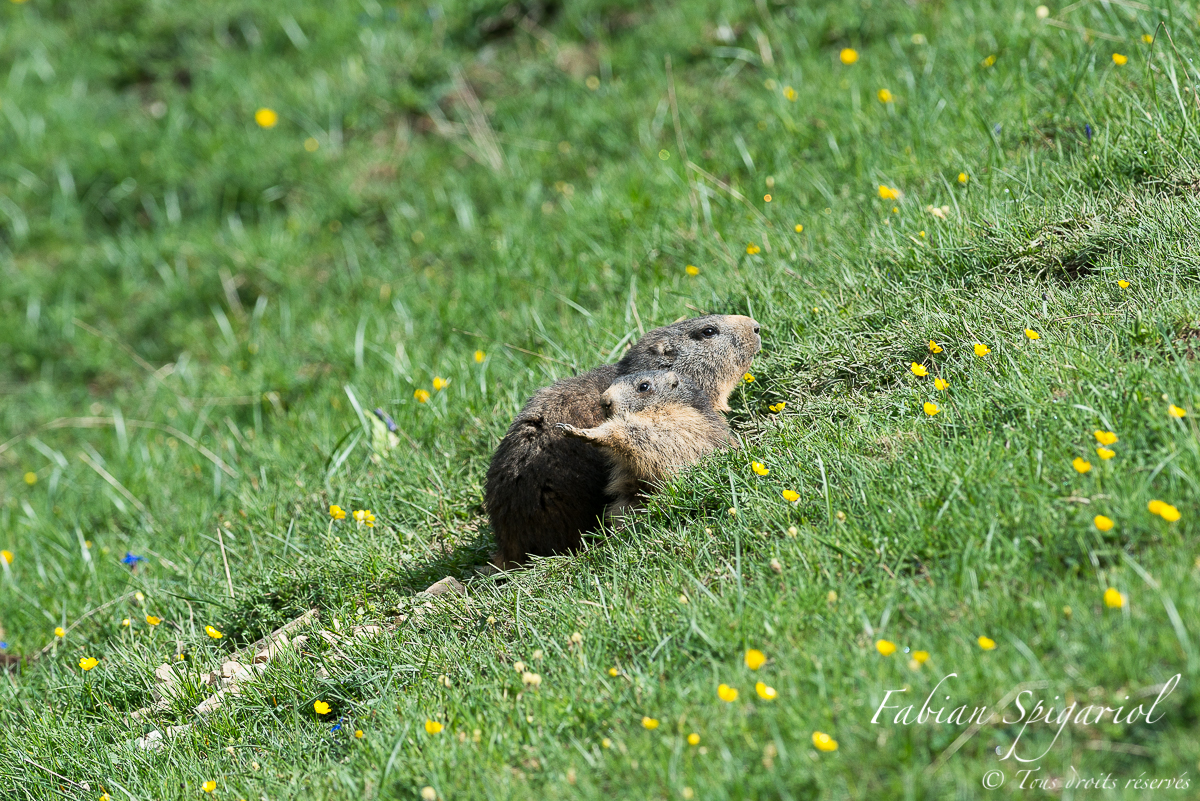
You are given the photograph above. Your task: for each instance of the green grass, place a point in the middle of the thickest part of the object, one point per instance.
(200, 313)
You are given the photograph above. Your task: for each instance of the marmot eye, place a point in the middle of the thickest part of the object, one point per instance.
(709, 331)
(644, 386)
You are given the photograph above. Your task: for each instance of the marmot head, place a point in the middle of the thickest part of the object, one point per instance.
(652, 389)
(714, 351)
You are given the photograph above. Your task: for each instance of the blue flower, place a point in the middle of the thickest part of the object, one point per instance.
(3, 645)
(130, 559)
(387, 420)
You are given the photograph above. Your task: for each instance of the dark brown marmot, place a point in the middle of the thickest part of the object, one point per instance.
(544, 490)
(659, 421)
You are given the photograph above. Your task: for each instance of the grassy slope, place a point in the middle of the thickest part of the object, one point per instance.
(140, 198)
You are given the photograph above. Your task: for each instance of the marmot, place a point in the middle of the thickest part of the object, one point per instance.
(544, 489)
(659, 421)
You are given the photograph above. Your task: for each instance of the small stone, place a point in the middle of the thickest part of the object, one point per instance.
(448, 584)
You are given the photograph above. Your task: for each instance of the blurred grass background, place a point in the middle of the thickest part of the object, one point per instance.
(200, 312)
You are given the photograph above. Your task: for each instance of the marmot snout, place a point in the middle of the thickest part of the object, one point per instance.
(659, 421)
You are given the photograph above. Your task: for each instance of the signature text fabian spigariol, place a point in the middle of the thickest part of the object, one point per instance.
(1030, 711)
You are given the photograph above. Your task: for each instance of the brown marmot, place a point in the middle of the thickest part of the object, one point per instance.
(659, 421)
(544, 490)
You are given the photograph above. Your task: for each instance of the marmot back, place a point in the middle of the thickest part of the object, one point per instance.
(544, 490)
(659, 421)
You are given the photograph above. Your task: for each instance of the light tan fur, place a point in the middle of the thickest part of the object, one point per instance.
(659, 423)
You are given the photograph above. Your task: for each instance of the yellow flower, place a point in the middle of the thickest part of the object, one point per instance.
(884, 96)
(935, 347)
(726, 693)
(777, 407)
(649, 723)
(606, 743)
(986, 643)
(1147, 38)
(848, 55)
(7, 556)
(752, 248)
(1029, 332)
(941, 383)
(337, 512)
(887, 193)
(764, 692)
(30, 478)
(432, 726)
(885, 647)
(692, 270)
(1123, 283)
(989, 61)
(931, 408)
(755, 659)
(823, 741)
(798, 228)
(422, 395)
(760, 468)
(748, 378)
(1103, 523)
(919, 370)
(479, 357)
(321, 707)
(791, 496)
(612, 671)
(266, 118)
(1119, 59)
(311, 144)
(358, 733)
(1081, 465)
(1104, 437)
(440, 383)
(920, 657)
(152, 620)
(1105, 453)
(693, 739)
(1175, 411)
(209, 786)
(982, 350)
(1113, 599)
(88, 663)
(530, 679)
(59, 632)
(789, 93)
(1041, 12)
(1164, 510)
(126, 622)
(767, 198)
(212, 632)
(360, 515)
(963, 177)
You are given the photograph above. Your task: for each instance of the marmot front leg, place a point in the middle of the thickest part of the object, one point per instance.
(588, 434)
(605, 435)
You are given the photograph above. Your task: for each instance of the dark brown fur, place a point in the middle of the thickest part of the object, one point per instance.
(658, 422)
(545, 490)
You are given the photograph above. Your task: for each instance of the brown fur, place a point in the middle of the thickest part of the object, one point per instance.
(659, 422)
(544, 490)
